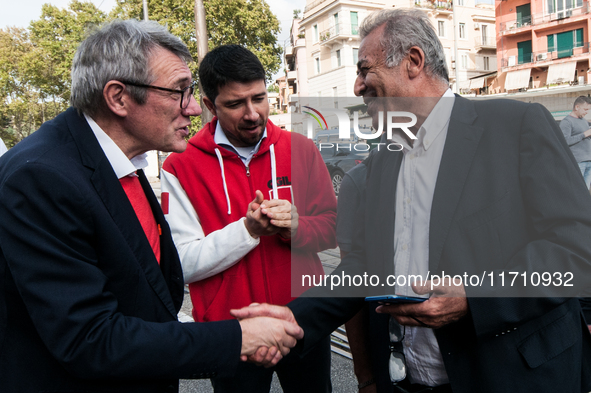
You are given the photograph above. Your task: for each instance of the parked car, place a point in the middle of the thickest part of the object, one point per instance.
(339, 158)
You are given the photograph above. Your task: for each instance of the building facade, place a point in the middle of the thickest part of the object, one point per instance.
(323, 52)
(542, 44)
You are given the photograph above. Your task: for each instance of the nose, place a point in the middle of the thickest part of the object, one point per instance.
(250, 112)
(193, 109)
(359, 86)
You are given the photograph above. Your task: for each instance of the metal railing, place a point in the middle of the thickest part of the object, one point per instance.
(545, 56)
(445, 5)
(540, 18)
(341, 29)
(486, 41)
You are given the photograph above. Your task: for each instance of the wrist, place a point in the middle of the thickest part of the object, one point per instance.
(250, 232)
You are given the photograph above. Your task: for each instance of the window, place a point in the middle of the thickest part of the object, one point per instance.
(317, 65)
(561, 5)
(462, 29)
(354, 23)
(460, 2)
(486, 40)
(441, 28)
(336, 24)
(523, 15)
(338, 53)
(563, 43)
(355, 56)
(315, 33)
(524, 54)
(486, 63)
(335, 97)
(464, 64)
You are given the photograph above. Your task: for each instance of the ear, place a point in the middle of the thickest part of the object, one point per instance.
(416, 62)
(116, 98)
(210, 105)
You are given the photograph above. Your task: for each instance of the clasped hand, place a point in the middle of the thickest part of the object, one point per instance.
(268, 333)
(270, 217)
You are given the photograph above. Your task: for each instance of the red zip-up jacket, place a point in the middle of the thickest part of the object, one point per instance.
(219, 187)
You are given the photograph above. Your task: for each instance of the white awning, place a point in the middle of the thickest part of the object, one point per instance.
(477, 83)
(464, 84)
(563, 72)
(517, 79)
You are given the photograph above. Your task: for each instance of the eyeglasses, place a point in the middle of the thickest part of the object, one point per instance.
(397, 363)
(185, 93)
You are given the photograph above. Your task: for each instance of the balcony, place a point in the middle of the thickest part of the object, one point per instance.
(433, 4)
(292, 75)
(483, 43)
(339, 32)
(539, 58)
(518, 25)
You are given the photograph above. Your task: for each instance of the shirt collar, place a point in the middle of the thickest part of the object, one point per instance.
(220, 138)
(122, 166)
(433, 124)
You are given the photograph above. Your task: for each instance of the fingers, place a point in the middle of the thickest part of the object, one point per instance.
(436, 312)
(264, 310)
(295, 331)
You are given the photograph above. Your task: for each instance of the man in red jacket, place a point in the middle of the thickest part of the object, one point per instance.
(249, 205)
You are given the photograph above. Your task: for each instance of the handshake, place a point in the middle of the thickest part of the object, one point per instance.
(268, 333)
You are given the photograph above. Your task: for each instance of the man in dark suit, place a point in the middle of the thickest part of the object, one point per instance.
(480, 187)
(90, 281)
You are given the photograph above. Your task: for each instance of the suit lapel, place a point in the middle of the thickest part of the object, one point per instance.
(382, 204)
(459, 151)
(111, 192)
(170, 265)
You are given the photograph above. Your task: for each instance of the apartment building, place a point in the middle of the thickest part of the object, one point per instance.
(542, 43)
(322, 56)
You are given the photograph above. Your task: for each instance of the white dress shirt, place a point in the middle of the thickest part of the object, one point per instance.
(414, 197)
(122, 165)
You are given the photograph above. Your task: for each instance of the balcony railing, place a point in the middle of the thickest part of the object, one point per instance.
(444, 5)
(341, 29)
(485, 42)
(541, 57)
(538, 19)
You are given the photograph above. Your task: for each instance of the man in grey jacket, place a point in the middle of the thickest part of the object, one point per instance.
(578, 135)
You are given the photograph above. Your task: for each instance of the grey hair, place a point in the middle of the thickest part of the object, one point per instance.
(118, 50)
(405, 28)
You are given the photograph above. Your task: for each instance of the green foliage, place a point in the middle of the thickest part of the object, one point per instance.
(35, 66)
(273, 88)
(35, 63)
(245, 22)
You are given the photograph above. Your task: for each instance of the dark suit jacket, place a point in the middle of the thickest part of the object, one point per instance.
(84, 305)
(508, 196)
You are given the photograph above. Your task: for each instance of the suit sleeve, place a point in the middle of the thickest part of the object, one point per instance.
(202, 256)
(558, 208)
(48, 237)
(317, 218)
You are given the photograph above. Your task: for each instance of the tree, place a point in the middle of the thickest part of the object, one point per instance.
(245, 22)
(35, 67)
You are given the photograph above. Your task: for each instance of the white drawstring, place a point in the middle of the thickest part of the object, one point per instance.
(274, 172)
(217, 152)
